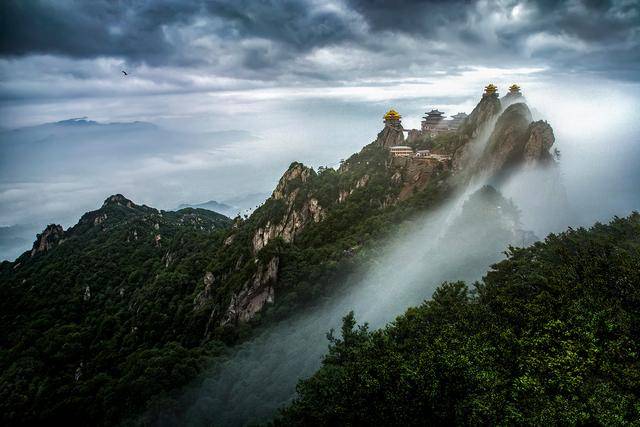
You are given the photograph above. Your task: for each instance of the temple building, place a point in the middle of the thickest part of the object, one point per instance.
(432, 120)
(392, 118)
(490, 90)
(456, 120)
(514, 89)
(401, 151)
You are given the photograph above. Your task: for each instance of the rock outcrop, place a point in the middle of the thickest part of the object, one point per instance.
(515, 141)
(481, 117)
(414, 174)
(474, 130)
(390, 136)
(51, 236)
(298, 210)
(254, 295)
(118, 199)
(540, 138)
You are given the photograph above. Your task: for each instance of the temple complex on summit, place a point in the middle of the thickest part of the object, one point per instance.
(490, 90)
(392, 118)
(433, 124)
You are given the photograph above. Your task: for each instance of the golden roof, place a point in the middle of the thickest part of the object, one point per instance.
(514, 88)
(392, 115)
(490, 89)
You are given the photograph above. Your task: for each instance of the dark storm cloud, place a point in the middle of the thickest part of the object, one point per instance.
(291, 22)
(90, 29)
(141, 31)
(267, 39)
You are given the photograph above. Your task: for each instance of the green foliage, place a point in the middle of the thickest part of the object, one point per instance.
(102, 323)
(550, 336)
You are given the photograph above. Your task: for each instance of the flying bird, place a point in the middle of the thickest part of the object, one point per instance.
(124, 72)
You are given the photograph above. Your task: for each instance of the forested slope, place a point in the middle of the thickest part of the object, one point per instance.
(549, 336)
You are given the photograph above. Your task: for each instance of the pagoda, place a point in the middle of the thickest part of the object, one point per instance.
(433, 120)
(514, 89)
(392, 118)
(490, 90)
(456, 120)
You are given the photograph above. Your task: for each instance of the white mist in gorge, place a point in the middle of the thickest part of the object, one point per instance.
(260, 375)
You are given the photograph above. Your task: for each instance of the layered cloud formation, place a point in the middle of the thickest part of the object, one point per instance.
(174, 45)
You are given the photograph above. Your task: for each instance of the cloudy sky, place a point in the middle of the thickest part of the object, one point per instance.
(59, 57)
(304, 80)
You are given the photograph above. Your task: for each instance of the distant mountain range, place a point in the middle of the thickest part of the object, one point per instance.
(212, 205)
(231, 207)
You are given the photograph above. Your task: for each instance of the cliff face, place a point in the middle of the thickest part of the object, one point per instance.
(540, 138)
(254, 295)
(482, 116)
(474, 129)
(48, 239)
(414, 175)
(390, 136)
(515, 141)
(298, 210)
(512, 98)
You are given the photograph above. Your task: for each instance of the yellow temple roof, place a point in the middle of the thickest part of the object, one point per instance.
(490, 89)
(514, 88)
(392, 115)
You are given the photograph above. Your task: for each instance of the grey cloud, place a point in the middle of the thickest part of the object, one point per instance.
(271, 40)
(90, 29)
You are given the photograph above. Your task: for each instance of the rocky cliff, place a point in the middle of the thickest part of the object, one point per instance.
(390, 136)
(311, 209)
(516, 140)
(489, 142)
(473, 132)
(296, 209)
(48, 239)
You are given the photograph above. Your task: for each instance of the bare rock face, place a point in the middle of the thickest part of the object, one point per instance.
(390, 136)
(48, 239)
(118, 199)
(256, 293)
(482, 116)
(474, 128)
(512, 98)
(297, 214)
(414, 174)
(293, 223)
(516, 141)
(539, 141)
(294, 176)
(201, 299)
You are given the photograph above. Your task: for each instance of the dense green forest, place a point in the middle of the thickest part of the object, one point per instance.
(549, 336)
(97, 325)
(110, 319)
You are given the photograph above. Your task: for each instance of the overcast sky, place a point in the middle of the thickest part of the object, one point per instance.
(241, 52)
(308, 80)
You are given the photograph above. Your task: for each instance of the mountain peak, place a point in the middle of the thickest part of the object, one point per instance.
(50, 236)
(118, 199)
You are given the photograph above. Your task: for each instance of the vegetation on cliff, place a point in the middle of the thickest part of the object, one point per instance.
(100, 319)
(549, 336)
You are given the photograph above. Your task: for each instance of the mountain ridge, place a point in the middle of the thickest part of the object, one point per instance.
(216, 278)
